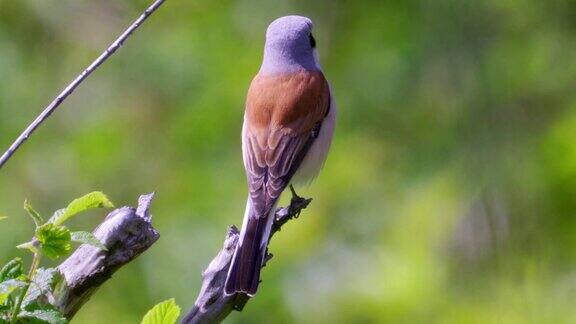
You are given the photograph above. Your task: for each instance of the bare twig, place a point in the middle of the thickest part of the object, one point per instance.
(212, 305)
(76, 82)
(126, 232)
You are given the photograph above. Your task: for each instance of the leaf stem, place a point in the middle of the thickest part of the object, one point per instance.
(31, 273)
(34, 265)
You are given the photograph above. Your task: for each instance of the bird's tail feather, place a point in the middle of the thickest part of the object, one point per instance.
(244, 273)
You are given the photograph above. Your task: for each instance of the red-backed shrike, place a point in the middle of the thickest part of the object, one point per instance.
(288, 127)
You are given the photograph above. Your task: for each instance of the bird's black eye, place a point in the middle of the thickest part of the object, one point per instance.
(312, 41)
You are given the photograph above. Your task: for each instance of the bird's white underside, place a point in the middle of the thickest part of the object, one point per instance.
(316, 156)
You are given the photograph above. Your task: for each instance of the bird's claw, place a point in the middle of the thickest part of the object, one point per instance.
(297, 214)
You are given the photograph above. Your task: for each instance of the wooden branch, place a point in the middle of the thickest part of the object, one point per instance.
(212, 305)
(76, 82)
(126, 232)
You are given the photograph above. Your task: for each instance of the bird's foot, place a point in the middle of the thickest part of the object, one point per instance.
(297, 201)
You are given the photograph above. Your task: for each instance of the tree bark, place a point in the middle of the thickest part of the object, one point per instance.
(126, 232)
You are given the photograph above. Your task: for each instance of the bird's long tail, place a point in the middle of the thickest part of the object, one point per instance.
(244, 273)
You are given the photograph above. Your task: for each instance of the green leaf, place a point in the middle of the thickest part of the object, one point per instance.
(5, 292)
(38, 220)
(44, 282)
(4, 312)
(38, 316)
(3, 217)
(11, 270)
(94, 199)
(8, 287)
(87, 238)
(55, 240)
(166, 312)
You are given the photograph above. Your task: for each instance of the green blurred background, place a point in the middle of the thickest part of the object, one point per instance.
(449, 195)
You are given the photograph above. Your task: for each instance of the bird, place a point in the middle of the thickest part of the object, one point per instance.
(288, 126)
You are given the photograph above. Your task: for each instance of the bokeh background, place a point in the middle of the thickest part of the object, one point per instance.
(449, 195)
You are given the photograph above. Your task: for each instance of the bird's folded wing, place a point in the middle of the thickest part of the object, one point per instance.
(283, 115)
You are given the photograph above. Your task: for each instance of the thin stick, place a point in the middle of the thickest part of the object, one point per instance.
(72, 86)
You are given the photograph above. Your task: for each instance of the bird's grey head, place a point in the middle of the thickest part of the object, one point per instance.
(289, 46)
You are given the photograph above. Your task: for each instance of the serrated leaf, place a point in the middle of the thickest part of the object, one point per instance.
(11, 270)
(95, 199)
(8, 287)
(44, 282)
(38, 316)
(87, 238)
(38, 220)
(55, 240)
(4, 312)
(166, 312)
(4, 293)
